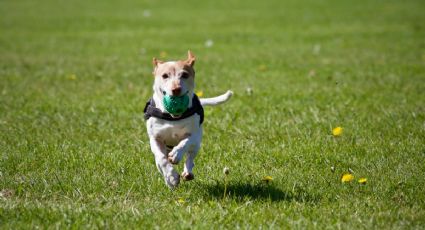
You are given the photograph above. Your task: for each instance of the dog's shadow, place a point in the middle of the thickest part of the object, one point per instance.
(240, 191)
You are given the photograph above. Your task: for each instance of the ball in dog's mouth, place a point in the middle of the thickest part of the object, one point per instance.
(176, 105)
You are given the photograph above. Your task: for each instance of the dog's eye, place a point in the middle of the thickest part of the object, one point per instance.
(185, 75)
(164, 76)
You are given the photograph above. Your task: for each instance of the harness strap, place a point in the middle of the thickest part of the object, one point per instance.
(151, 111)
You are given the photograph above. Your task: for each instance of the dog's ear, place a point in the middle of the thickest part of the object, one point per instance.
(190, 58)
(155, 62)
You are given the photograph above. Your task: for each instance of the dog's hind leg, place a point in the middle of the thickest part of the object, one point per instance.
(171, 177)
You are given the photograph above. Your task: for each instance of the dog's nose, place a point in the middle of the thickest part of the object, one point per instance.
(176, 91)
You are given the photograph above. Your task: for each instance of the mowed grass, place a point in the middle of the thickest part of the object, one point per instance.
(74, 78)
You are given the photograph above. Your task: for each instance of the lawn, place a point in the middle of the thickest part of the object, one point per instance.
(74, 78)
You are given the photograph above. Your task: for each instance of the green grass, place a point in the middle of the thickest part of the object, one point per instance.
(74, 78)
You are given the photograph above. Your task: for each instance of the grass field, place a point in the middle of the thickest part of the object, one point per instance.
(74, 78)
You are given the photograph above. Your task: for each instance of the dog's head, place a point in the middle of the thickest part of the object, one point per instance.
(174, 78)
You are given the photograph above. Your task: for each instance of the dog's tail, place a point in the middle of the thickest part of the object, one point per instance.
(217, 100)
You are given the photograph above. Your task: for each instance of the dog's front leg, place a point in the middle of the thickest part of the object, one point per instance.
(188, 165)
(172, 178)
(176, 154)
(190, 145)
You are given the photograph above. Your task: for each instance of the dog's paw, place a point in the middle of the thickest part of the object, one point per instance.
(172, 179)
(187, 176)
(174, 157)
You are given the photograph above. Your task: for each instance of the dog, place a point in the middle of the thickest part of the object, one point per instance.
(173, 135)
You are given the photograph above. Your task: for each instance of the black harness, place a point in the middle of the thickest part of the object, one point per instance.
(151, 111)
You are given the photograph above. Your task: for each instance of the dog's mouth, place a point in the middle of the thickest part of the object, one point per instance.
(175, 105)
(164, 93)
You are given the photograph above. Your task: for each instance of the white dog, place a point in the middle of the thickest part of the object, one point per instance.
(170, 134)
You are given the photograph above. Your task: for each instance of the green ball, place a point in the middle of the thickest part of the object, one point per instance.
(176, 105)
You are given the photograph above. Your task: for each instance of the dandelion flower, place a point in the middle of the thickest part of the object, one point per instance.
(337, 131)
(209, 43)
(312, 73)
(72, 77)
(146, 13)
(181, 200)
(226, 171)
(267, 179)
(316, 49)
(347, 177)
(362, 180)
(249, 90)
(200, 93)
(262, 67)
(163, 54)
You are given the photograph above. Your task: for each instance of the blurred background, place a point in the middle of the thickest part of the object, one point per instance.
(326, 54)
(119, 39)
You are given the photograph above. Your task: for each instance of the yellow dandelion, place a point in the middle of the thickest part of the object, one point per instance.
(72, 77)
(337, 131)
(200, 93)
(312, 73)
(362, 180)
(181, 200)
(163, 54)
(267, 179)
(262, 67)
(347, 177)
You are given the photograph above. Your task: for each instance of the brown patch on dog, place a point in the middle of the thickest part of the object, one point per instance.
(190, 70)
(155, 61)
(172, 68)
(190, 58)
(175, 85)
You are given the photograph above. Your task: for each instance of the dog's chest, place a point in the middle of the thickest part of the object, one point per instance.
(172, 132)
